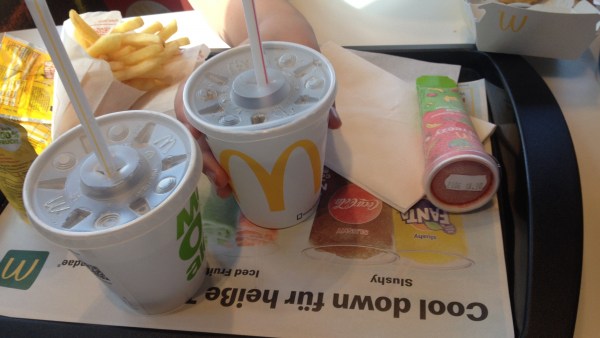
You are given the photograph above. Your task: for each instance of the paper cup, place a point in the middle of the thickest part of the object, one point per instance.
(140, 235)
(270, 140)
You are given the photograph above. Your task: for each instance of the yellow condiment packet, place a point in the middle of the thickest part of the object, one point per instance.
(26, 89)
(16, 155)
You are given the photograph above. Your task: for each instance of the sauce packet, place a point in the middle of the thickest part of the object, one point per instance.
(16, 155)
(26, 89)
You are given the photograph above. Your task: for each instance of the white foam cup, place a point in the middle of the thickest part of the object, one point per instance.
(140, 232)
(270, 139)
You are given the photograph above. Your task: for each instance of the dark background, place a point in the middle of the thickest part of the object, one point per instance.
(15, 16)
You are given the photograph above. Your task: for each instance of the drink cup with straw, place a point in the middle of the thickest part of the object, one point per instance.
(263, 109)
(120, 193)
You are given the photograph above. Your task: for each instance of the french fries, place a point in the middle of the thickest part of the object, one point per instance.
(136, 54)
(105, 44)
(168, 30)
(84, 34)
(129, 25)
(153, 28)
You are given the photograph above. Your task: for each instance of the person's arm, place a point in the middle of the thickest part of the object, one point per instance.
(278, 20)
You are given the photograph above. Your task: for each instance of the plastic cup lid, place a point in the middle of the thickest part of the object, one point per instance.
(68, 196)
(222, 95)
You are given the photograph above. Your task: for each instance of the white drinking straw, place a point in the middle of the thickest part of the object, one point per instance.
(258, 58)
(45, 24)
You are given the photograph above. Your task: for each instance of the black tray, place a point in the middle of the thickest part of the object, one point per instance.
(540, 194)
(540, 201)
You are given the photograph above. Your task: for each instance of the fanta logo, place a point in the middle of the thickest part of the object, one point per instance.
(272, 183)
(189, 230)
(19, 269)
(352, 205)
(424, 216)
(512, 23)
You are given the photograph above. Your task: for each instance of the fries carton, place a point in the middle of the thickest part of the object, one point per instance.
(118, 72)
(550, 29)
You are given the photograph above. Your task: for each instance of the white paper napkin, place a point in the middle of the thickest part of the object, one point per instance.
(379, 145)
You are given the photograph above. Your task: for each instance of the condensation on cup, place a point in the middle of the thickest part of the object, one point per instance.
(141, 233)
(269, 138)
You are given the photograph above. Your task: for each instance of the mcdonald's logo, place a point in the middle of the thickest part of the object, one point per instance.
(19, 269)
(512, 25)
(272, 183)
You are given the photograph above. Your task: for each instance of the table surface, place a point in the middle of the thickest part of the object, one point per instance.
(574, 83)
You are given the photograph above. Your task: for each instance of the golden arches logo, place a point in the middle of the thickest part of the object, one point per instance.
(19, 268)
(16, 272)
(272, 183)
(511, 23)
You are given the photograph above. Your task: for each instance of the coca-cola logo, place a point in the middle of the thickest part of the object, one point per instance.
(352, 205)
